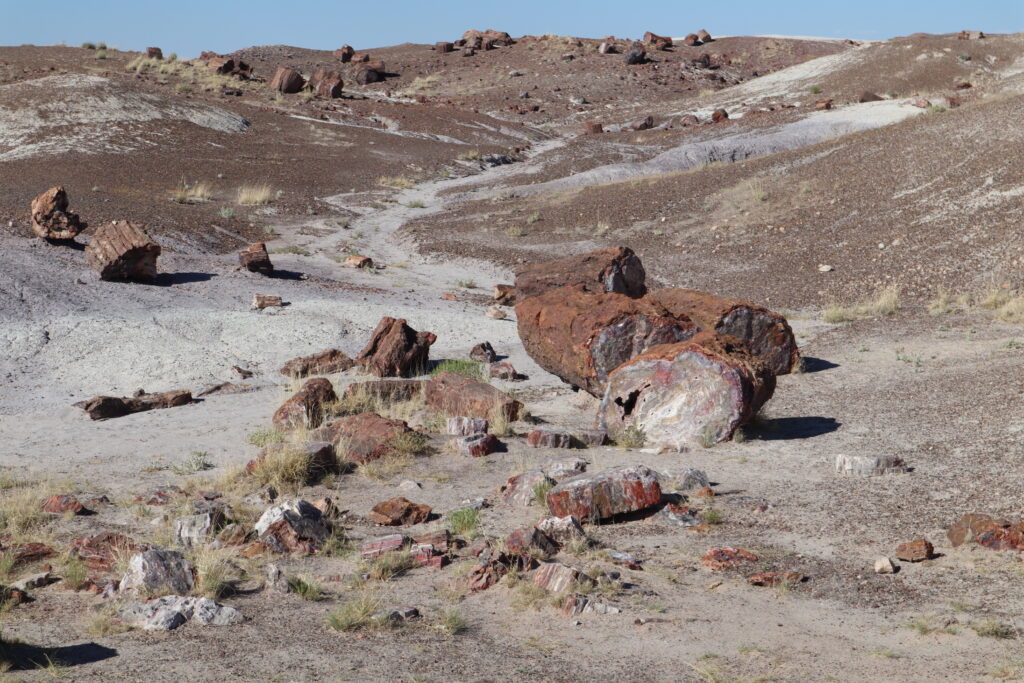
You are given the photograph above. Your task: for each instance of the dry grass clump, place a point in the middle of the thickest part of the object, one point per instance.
(464, 521)
(885, 302)
(255, 195)
(355, 614)
(200, 191)
(469, 368)
(471, 155)
(389, 565)
(399, 182)
(452, 622)
(287, 468)
(215, 573)
(21, 510)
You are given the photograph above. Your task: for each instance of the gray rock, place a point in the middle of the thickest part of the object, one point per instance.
(466, 426)
(171, 611)
(687, 478)
(565, 468)
(300, 515)
(869, 465)
(410, 485)
(195, 530)
(519, 490)
(158, 571)
(35, 581)
(561, 530)
(276, 581)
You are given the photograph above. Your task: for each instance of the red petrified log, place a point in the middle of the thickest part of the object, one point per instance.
(616, 269)
(600, 495)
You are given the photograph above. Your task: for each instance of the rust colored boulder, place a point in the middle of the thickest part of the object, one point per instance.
(455, 394)
(396, 350)
(915, 551)
(691, 40)
(600, 495)
(103, 407)
(483, 353)
(123, 251)
(823, 105)
(400, 511)
(992, 532)
(487, 39)
(581, 337)
(368, 74)
(444, 47)
(607, 48)
(868, 96)
(592, 128)
(50, 217)
(326, 83)
(719, 115)
(615, 269)
(767, 334)
(645, 123)
(154, 53)
(344, 53)
(307, 406)
(255, 259)
(287, 80)
(220, 65)
(324, 363)
(363, 437)
(636, 55)
(659, 42)
(704, 37)
(100, 551)
(695, 392)
(58, 504)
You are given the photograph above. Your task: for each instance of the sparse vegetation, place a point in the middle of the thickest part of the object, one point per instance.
(466, 284)
(815, 90)
(255, 195)
(631, 437)
(886, 302)
(183, 88)
(532, 218)
(935, 109)
(711, 516)
(306, 588)
(471, 155)
(540, 494)
(266, 436)
(88, 46)
(292, 249)
(389, 565)
(227, 213)
(199, 191)
(398, 182)
(452, 622)
(515, 231)
(993, 628)
(100, 54)
(214, 572)
(415, 204)
(464, 521)
(469, 368)
(354, 614)
(197, 462)
(928, 625)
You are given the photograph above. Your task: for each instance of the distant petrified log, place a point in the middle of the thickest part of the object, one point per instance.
(324, 363)
(154, 53)
(697, 391)
(326, 83)
(659, 42)
(50, 217)
(307, 406)
(487, 39)
(123, 251)
(636, 55)
(367, 75)
(261, 301)
(344, 53)
(396, 350)
(615, 269)
(766, 334)
(719, 115)
(102, 407)
(255, 259)
(704, 37)
(592, 128)
(287, 80)
(581, 337)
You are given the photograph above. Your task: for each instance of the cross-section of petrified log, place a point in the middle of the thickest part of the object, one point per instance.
(697, 391)
(581, 337)
(616, 269)
(123, 251)
(766, 333)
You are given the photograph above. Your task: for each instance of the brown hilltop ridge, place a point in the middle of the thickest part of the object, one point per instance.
(750, 355)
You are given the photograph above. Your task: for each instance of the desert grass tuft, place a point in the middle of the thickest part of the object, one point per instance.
(469, 368)
(464, 521)
(355, 614)
(306, 588)
(400, 182)
(215, 573)
(255, 195)
(885, 303)
(389, 565)
(200, 191)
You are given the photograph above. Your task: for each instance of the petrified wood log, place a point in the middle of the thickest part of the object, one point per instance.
(616, 269)
(123, 251)
(581, 337)
(396, 350)
(766, 333)
(697, 391)
(102, 407)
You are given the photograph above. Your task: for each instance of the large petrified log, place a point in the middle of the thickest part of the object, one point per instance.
(453, 394)
(396, 350)
(50, 216)
(599, 495)
(123, 251)
(615, 269)
(326, 362)
(697, 391)
(103, 407)
(766, 333)
(581, 337)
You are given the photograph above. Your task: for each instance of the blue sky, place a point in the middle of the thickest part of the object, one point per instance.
(189, 26)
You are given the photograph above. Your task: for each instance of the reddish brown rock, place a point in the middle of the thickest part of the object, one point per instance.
(972, 526)
(255, 259)
(527, 541)
(645, 123)
(100, 551)
(521, 489)
(326, 83)
(122, 251)
(326, 362)
(659, 42)
(561, 530)
(367, 75)
(721, 559)
(477, 445)
(103, 407)
(555, 577)
(287, 80)
(920, 102)
(1008, 537)
(504, 371)
(399, 511)
(487, 39)
(306, 407)
(485, 575)
(868, 96)
(691, 40)
(59, 504)
(582, 337)
(292, 526)
(773, 579)
(154, 53)
(483, 353)
(600, 495)
(767, 334)
(549, 438)
(360, 57)
(344, 53)
(220, 65)
(358, 261)
(50, 217)
(615, 269)
(915, 551)
(454, 394)
(689, 120)
(363, 437)
(26, 553)
(607, 48)
(636, 55)
(719, 115)
(396, 350)
(505, 294)
(375, 547)
(466, 426)
(592, 128)
(822, 105)
(444, 47)
(709, 385)
(704, 37)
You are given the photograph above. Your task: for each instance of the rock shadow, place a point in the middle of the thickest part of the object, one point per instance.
(811, 364)
(171, 279)
(791, 428)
